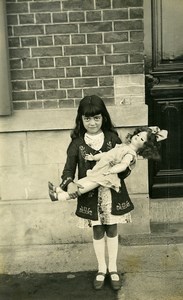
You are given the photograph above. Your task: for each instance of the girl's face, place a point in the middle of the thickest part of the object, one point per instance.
(139, 139)
(92, 124)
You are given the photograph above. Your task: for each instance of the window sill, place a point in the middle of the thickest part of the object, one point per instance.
(64, 119)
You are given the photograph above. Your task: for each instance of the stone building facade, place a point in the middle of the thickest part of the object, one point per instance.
(59, 52)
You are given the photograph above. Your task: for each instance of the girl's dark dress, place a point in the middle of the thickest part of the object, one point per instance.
(89, 204)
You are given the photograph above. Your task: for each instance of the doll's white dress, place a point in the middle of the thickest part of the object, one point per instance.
(104, 195)
(110, 158)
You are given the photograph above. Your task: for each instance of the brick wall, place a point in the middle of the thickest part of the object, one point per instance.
(61, 51)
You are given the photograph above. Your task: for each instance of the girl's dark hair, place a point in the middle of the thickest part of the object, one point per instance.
(90, 106)
(151, 148)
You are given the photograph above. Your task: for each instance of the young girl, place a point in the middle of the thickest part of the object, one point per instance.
(144, 141)
(102, 207)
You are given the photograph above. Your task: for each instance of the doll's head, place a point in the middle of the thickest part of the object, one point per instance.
(151, 147)
(91, 106)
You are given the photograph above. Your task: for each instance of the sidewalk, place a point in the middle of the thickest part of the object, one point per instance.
(149, 272)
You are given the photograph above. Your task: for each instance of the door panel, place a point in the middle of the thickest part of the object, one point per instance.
(166, 176)
(164, 92)
(167, 42)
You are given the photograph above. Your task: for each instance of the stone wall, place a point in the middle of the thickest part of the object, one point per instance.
(59, 52)
(32, 157)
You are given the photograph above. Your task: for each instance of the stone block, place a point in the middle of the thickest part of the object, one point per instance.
(78, 39)
(25, 95)
(49, 73)
(41, 222)
(27, 182)
(130, 90)
(129, 48)
(13, 149)
(168, 210)
(93, 16)
(45, 6)
(19, 53)
(60, 18)
(76, 16)
(136, 13)
(47, 147)
(28, 41)
(78, 50)
(43, 18)
(128, 25)
(13, 183)
(128, 68)
(20, 105)
(73, 72)
(115, 14)
(127, 3)
(15, 8)
(61, 28)
(51, 94)
(28, 30)
(47, 51)
(21, 74)
(140, 217)
(79, 5)
(129, 80)
(131, 116)
(95, 27)
(99, 71)
(137, 181)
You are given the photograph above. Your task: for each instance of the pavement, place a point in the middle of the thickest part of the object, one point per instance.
(149, 272)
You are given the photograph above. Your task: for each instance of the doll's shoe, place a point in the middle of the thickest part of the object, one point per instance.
(98, 284)
(115, 281)
(51, 186)
(53, 196)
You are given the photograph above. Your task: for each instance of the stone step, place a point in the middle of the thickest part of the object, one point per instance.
(161, 234)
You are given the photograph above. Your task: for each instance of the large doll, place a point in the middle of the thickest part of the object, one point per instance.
(144, 142)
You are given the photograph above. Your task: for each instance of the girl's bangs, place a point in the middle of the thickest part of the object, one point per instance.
(91, 111)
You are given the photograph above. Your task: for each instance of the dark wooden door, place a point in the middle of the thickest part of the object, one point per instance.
(164, 92)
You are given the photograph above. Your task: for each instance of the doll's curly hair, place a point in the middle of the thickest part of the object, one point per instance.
(151, 148)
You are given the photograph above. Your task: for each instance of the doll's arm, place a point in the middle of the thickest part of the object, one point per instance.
(122, 166)
(95, 157)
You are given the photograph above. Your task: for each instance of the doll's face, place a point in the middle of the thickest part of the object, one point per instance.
(139, 139)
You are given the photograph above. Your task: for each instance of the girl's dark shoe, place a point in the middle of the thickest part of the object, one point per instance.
(98, 284)
(51, 186)
(116, 284)
(53, 196)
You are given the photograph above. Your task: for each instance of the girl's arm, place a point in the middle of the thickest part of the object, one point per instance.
(69, 170)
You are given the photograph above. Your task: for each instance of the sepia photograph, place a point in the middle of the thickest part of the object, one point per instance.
(91, 150)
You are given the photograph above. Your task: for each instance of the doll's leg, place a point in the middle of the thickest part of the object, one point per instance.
(58, 196)
(52, 187)
(62, 195)
(87, 185)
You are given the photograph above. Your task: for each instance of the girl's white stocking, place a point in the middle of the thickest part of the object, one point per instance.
(99, 247)
(112, 245)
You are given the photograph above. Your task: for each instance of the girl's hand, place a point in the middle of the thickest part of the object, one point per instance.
(107, 173)
(111, 171)
(89, 157)
(112, 163)
(73, 189)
